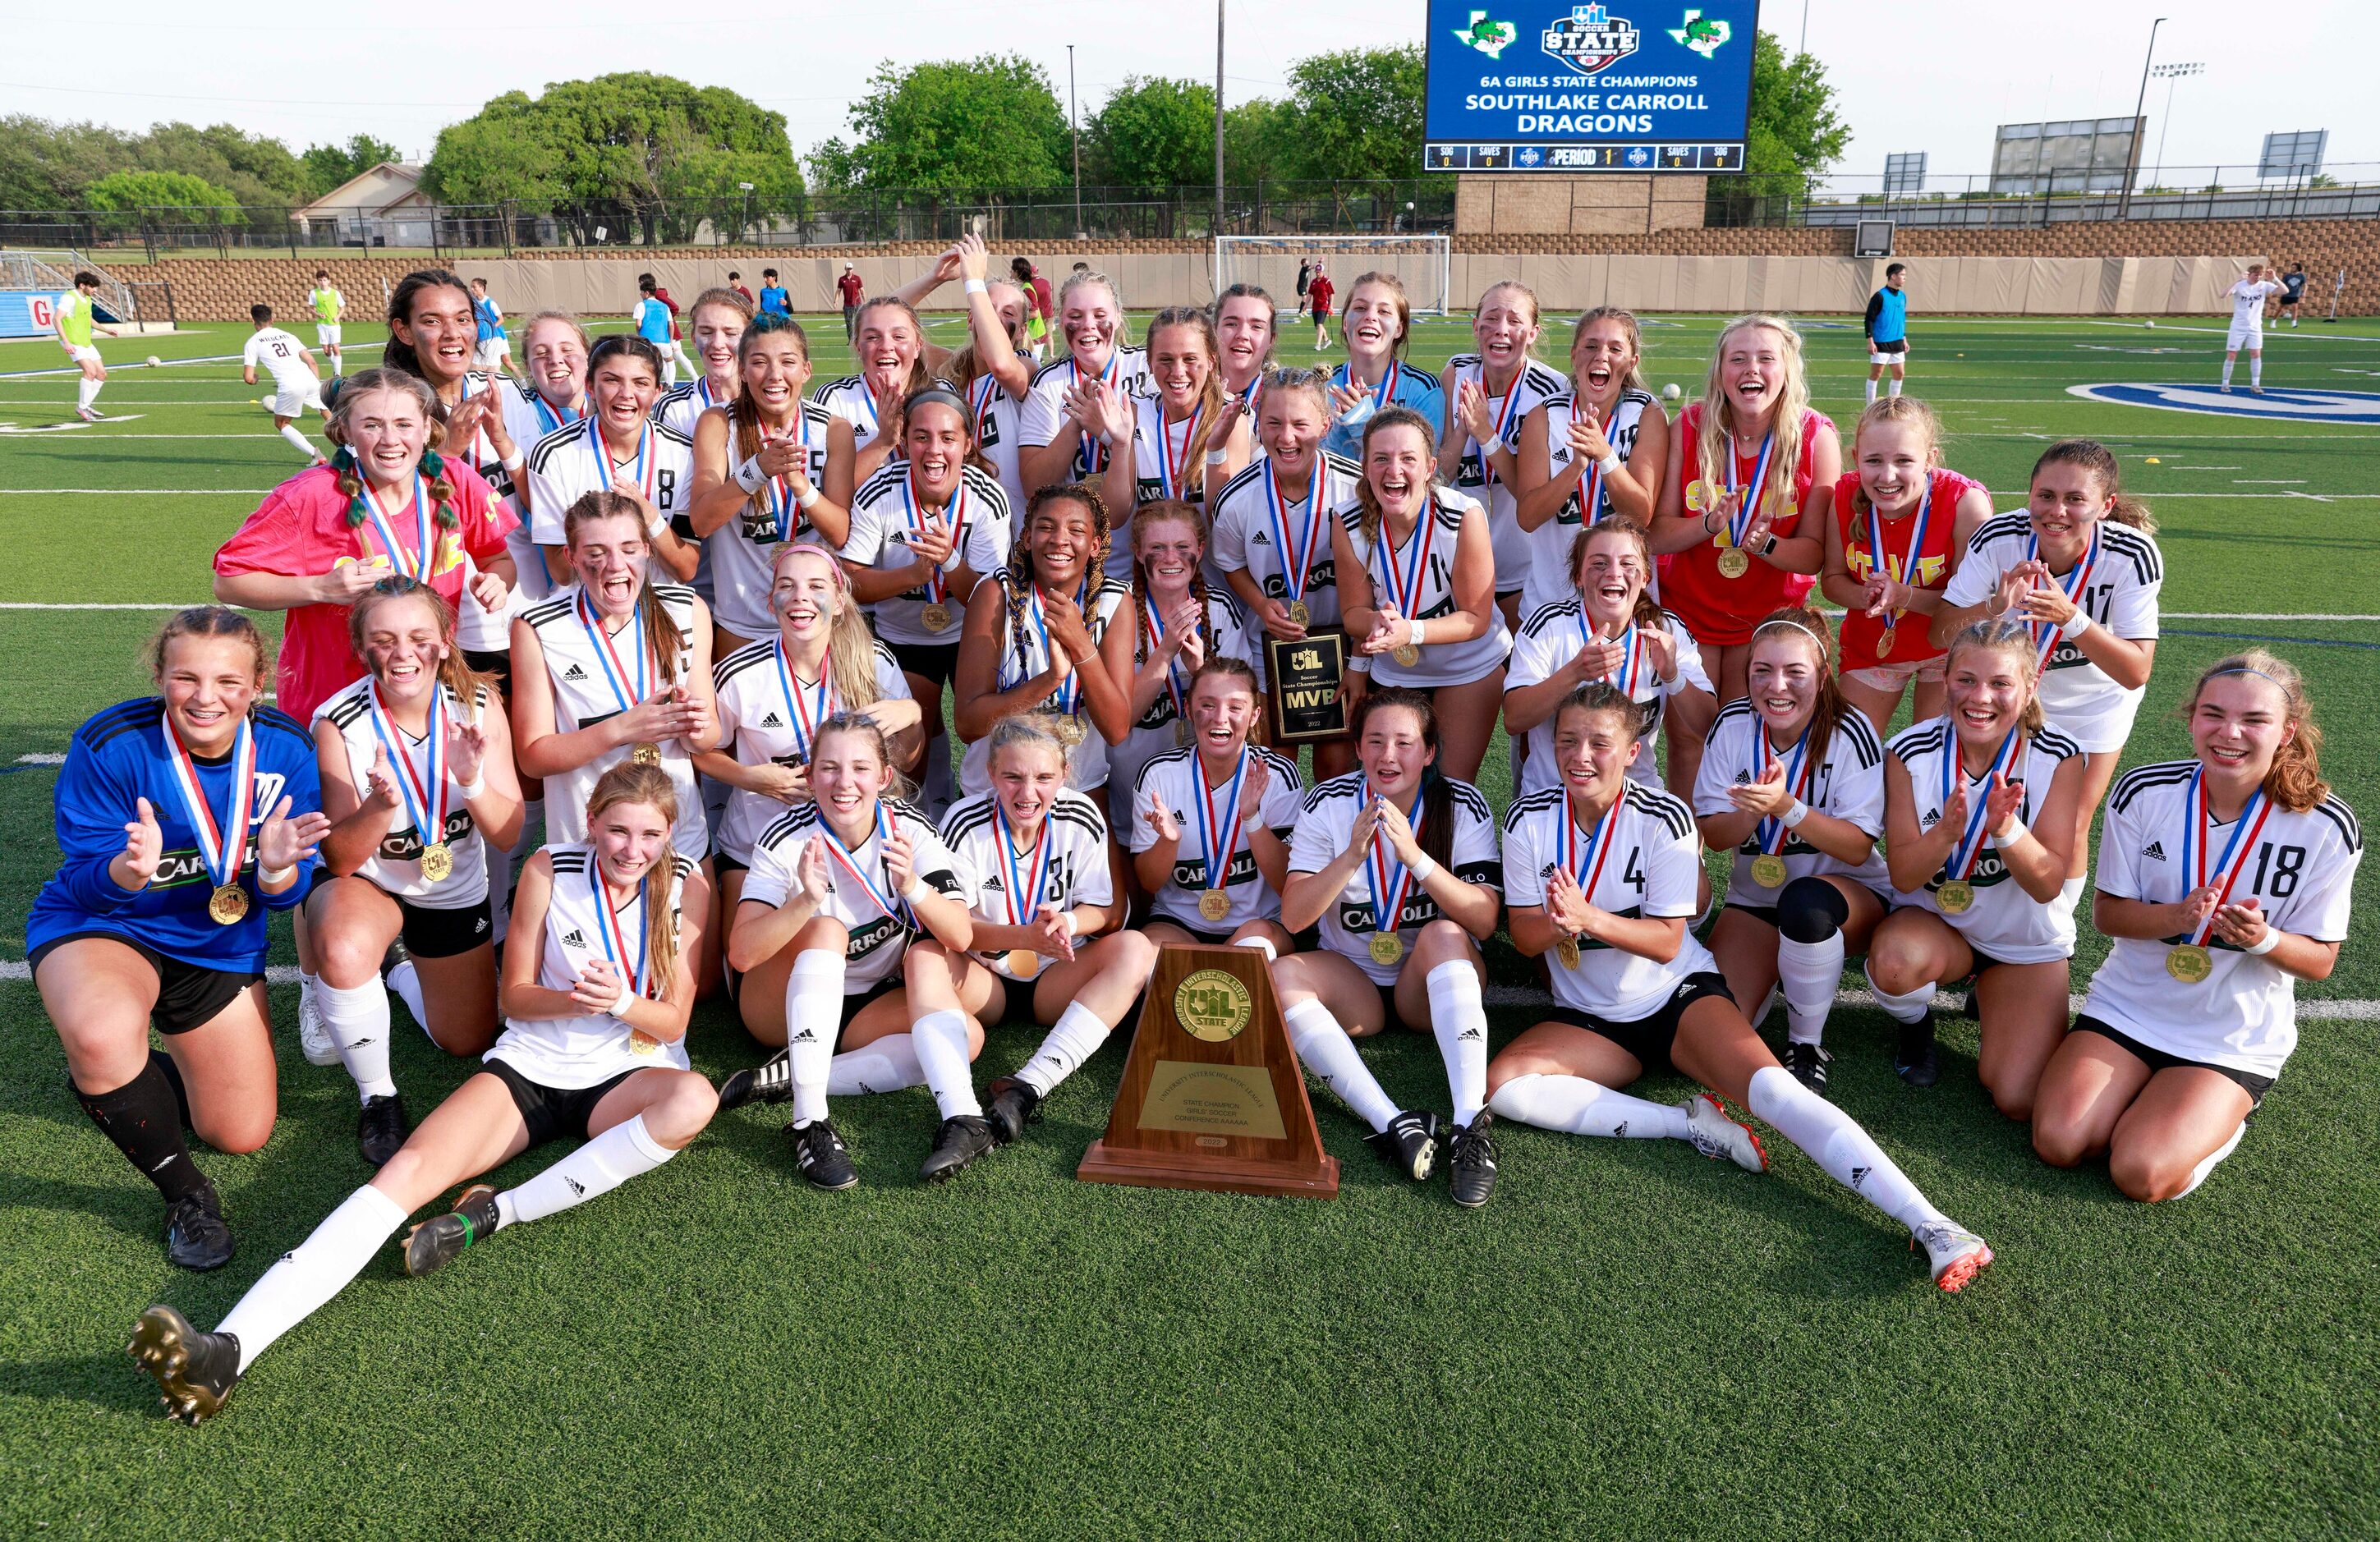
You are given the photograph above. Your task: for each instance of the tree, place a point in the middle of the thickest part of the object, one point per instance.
(157, 189)
(48, 165)
(1794, 132)
(1153, 133)
(327, 165)
(1355, 115)
(992, 121)
(1257, 137)
(253, 168)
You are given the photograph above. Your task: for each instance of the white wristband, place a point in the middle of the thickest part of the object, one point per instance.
(476, 785)
(750, 476)
(515, 461)
(2010, 833)
(1417, 631)
(977, 286)
(1068, 918)
(917, 886)
(1217, 457)
(271, 878)
(2266, 944)
(810, 499)
(1793, 817)
(620, 1002)
(1422, 869)
(2074, 628)
(1608, 463)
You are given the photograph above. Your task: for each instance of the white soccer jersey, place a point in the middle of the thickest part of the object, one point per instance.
(396, 867)
(1548, 581)
(1174, 778)
(1023, 653)
(567, 465)
(1246, 538)
(285, 357)
(2300, 871)
(589, 687)
(1536, 384)
(2004, 923)
(1647, 872)
(1043, 412)
(682, 406)
(479, 629)
(879, 940)
(850, 399)
(2120, 594)
(885, 511)
(1161, 468)
(996, 414)
(1550, 638)
(1161, 728)
(529, 419)
(1442, 663)
(1324, 823)
(2248, 302)
(740, 549)
(1074, 871)
(1848, 784)
(763, 708)
(572, 1053)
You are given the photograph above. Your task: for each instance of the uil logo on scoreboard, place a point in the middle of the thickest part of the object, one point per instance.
(1590, 38)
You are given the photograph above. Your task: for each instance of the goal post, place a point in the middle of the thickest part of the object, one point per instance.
(1423, 262)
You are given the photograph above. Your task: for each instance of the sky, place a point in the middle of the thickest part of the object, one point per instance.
(1912, 75)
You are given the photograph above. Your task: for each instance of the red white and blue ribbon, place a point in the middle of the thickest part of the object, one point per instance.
(2075, 586)
(221, 846)
(424, 791)
(1170, 466)
(648, 466)
(613, 941)
(2234, 860)
(1177, 683)
(1218, 837)
(1297, 560)
(1504, 415)
(1070, 690)
(777, 490)
(1095, 454)
(1970, 840)
(607, 657)
(550, 418)
(1406, 594)
(1748, 494)
(912, 519)
(1390, 880)
(1878, 563)
(849, 861)
(425, 545)
(1026, 884)
(1771, 833)
(805, 718)
(1585, 863)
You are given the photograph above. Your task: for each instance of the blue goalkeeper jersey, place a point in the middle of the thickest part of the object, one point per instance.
(120, 756)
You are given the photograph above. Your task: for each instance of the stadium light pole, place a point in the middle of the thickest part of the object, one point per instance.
(2171, 75)
(1074, 127)
(2124, 206)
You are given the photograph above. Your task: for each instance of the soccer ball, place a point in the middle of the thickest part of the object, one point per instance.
(154, 361)
(1669, 392)
(2148, 323)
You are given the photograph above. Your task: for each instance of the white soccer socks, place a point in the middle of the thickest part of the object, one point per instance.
(1901, 1009)
(1871, 392)
(313, 1272)
(887, 1066)
(1897, 384)
(2198, 1175)
(405, 981)
(1327, 1052)
(813, 1014)
(304, 446)
(1460, 1022)
(1076, 1038)
(1809, 972)
(1833, 1140)
(87, 393)
(357, 1020)
(1575, 1106)
(941, 1039)
(602, 1165)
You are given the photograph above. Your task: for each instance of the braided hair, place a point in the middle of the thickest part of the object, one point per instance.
(348, 470)
(1165, 511)
(1018, 578)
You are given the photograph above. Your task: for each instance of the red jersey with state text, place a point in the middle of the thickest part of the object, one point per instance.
(1932, 563)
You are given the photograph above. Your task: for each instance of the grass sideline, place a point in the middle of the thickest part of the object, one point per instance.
(1628, 1340)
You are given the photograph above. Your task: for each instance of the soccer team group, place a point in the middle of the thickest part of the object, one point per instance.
(596, 698)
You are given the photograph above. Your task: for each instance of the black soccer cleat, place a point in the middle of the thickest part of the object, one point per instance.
(1010, 1105)
(773, 1083)
(1914, 1060)
(962, 1140)
(820, 1157)
(1407, 1146)
(195, 1371)
(382, 1129)
(1471, 1156)
(1808, 1064)
(195, 1237)
(434, 1244)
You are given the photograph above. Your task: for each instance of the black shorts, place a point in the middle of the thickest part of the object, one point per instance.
(927, 660)
(444, 933)
(2157, 1060)
(189, 995)
(722, 865)
(2289, 300)
(553, 1112)
(1321, 313)
(499, 664)
(856, 1002)
(1648, 1038)
(1899, 345)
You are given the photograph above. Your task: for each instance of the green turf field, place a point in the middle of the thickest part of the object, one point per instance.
(1630, 1342)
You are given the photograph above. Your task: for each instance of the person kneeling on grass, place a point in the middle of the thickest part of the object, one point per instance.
(597, 988)
(1601, 875)
(839, 892)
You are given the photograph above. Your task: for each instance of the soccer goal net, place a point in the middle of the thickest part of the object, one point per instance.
(1423, 262)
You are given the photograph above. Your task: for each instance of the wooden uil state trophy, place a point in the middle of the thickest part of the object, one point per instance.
(1212, 1097)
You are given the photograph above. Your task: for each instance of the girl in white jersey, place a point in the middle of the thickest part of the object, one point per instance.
(889, 344)
(1611, 628)
(1058, 425)
(1177, 623)
(597, 990)
(1792, 783)
(2222, 879)
(1601, 876)
(1033, 636)
(1398, 864)
(1213, 821)
(995, 368)
(1592, 452)
(618, 448)
(1416, 575)
(771, 697)
(840, 889)
(1171, 444)
(416, 769)
(1271, 535)
(1489, 395)
(550, 398)
(2081, 568)
(718, 319)
(769, 468)
(1038, 854)
(1979, 807)
(1245, 329)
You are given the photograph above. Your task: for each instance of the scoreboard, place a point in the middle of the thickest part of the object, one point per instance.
(1618, 86)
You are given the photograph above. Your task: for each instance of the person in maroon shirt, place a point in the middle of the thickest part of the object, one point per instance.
(852, 289)
(1317, 293)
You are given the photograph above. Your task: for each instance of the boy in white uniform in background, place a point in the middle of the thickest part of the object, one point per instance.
(2248, 297)
(296, 383)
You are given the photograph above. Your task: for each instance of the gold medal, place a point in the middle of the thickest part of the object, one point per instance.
(1955, 896)
(1884, 641)
(639, 1043)
(1214, 905)
(1733, 563)
(646, 755)
(1567, 951)
(227, 904)
(437, 861)
(1406, 654)
(1298, 613)
(936, 618)
(1387, 947)
(1022, 963)
(2189, 963)
(1698, 497)
(1769, 870)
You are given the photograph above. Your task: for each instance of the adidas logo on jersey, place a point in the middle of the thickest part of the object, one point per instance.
(1259, 538)
(2153, 851)
(574, 673)
(772, 720)
(574, 939)
(993, 885)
